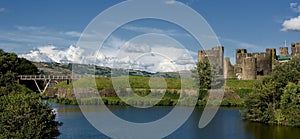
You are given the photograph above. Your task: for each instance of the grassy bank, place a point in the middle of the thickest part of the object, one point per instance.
(118, 101)
(235, 97)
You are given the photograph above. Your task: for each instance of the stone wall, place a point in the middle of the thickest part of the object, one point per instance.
(228, 68)
(215, 57)
(248, 65)
(284, 51)
(295, 47)
(249, 70)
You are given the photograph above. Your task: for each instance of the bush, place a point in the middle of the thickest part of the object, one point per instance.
(25, 116)
(202, 94)
(165, 102)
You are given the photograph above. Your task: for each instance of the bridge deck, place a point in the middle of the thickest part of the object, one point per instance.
(54, 77)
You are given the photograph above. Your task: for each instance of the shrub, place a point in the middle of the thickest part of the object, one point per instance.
(25, 116)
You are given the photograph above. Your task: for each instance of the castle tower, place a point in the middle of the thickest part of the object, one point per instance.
(228, 68)
(284, 51)
(217, 57)
(240, 54)
(270, 60)
(295, 47)
(249, 68)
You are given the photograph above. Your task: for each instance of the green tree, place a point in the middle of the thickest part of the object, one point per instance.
(203, 75)
(11, 62)
(290, 105)
(23, 115)
(275, 99)
(12, 65)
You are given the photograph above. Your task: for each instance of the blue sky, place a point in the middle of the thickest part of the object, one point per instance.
(255, 24)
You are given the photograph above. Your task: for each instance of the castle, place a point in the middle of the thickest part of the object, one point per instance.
(249, 66)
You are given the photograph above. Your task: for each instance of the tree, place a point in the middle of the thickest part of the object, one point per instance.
(275, 99)
(290, 105)
(11, 62)
(203, 75)
(23, 115)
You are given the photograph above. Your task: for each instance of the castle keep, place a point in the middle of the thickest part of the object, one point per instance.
(248, 66)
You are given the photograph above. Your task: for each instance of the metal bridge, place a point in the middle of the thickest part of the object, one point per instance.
(48, 78)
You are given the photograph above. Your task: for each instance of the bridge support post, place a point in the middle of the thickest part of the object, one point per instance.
(45, 87)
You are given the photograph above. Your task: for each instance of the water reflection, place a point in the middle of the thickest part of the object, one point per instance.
(262, 131)
(227, 124)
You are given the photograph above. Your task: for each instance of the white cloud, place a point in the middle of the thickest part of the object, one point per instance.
(136, 48)
(73, 33)
(23, 38)
(292, 24)
(2, 10)
(51, 53)
(140, 53)
(154, 58)
(295, 7)
(30, 28)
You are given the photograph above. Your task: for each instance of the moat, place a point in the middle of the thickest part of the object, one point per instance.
(226, 124)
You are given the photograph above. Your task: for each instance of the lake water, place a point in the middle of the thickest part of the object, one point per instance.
(227, 124)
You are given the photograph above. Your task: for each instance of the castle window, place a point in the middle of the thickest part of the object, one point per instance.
(260, 72)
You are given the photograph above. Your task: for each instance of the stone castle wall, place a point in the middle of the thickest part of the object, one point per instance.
(228, 68)
(284, 51)
(295, 47)
(249, 70)
(215, 56)
(248, 65)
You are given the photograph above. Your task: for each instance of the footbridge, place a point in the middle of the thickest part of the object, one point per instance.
(52, 78)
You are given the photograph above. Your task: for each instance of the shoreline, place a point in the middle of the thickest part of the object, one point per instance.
(114, 101)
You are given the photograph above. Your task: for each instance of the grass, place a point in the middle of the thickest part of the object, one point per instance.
(240, 84)
(134, 82)
(143, 82)
(240, 87)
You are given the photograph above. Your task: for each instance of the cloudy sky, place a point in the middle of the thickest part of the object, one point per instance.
(45, 31)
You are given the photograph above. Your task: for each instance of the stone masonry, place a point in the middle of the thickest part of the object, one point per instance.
(248, 66)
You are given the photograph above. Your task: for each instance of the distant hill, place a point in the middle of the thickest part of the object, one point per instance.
(52, 68)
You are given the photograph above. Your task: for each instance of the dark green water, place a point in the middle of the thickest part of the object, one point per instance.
(227, 124)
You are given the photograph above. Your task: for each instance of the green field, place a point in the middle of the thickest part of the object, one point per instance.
(143, 82)
(141, 87)
(134, 81)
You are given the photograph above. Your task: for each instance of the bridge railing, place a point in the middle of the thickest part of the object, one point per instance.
(55, 77)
